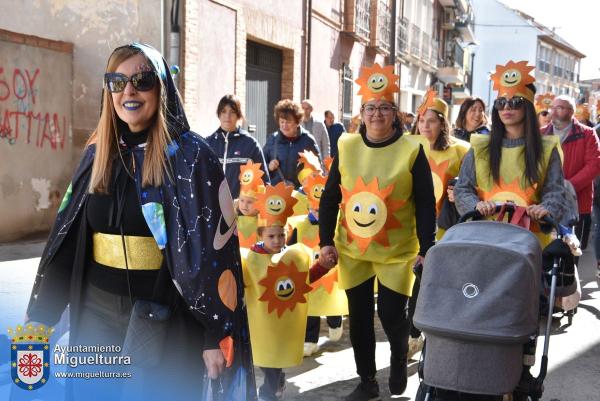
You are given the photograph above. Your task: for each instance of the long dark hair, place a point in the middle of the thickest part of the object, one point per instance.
(464, 108)
(442, 142)
(533, 144)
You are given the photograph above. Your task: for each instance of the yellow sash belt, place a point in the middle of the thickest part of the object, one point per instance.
(142, 252)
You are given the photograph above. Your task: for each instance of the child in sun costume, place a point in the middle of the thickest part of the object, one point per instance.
(444, 159)
(513, 182)
(326, 298)
(277, 290)
(308, 164)
(383, 192)
(250, 184)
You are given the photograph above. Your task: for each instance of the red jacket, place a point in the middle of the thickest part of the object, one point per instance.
(581, 164)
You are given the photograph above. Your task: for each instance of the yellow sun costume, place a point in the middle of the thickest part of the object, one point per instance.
(445, 164)
(310, 166)
(511, 80)
(250, 184)
(543, 102)
(326, 297)
(277, 288)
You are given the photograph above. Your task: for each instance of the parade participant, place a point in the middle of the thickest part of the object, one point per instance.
(277, 287)
(282, 147)
(148, 198)
(354, 125)
(581, 150)
(308, 165)
(334, 130)
(543, 103)
(380, 184)
(326, 298)
(250, 184)
(514, 163)
(316, 128)
(445, 155)
(582, 114)
(233, 144)
(471, 119)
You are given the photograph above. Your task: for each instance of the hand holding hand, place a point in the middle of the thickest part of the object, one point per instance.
(537, 212)
(328, 256)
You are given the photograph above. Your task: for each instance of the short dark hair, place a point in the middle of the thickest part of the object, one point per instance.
(328, 112)
(464, 108)
(287, 108)
(232, 101)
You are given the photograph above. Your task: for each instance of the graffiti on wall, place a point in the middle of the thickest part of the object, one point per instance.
(20, 119)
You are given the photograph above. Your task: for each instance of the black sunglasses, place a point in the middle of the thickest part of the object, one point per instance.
(141, 81)
(513, 103)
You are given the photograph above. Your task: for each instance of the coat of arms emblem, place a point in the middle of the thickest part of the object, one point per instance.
(30, 355)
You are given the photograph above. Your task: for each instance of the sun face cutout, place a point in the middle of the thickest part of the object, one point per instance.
(377, 83)
(544, 102)
(285, 287)
(314, 187)
(275, 205)
(250, 175)
(512, 79)
(510, 192)
(440, 177)
(369, 213)
(582, 112)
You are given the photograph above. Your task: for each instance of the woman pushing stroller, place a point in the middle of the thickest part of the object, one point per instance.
(514, 163)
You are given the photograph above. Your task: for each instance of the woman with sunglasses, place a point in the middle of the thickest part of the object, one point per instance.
(514, 163)
(380, 184)
(147, 222)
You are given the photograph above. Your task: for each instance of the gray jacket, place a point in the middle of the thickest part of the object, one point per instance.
(319, 131)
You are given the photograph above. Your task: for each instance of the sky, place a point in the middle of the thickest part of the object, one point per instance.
(576, 21)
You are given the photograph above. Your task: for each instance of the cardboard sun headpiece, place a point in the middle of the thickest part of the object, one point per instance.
(250, 179)
(275, 205)
(432, 102)
(544, 102)
(315, 184)
(511, 80)
(377, 83)
(310, 165)
(582, 112)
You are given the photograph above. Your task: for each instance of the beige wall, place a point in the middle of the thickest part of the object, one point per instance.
(94, 28)
(214, 55)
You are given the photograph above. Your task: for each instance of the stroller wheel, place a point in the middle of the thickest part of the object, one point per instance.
(423, 392)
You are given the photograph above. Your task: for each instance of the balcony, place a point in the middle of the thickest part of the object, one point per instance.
(357, 19)
(381, 17)
(426, 48)
(402, 35)
(446, 3)
(451, 70)
(465, 26)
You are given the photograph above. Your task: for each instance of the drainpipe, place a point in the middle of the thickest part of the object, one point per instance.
(174, 41)
(392, 59)
(307, 44)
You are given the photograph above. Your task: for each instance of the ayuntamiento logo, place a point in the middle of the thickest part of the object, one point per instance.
(30, 355)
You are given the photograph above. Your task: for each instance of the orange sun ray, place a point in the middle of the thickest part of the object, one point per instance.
(428, 101)
(510, 192)
(285, 287)
(512, 78)
(315, 184)
(309, 161)
(369, 213)
(328, 161)
(327, 281)
(250, 175)
(441, 171)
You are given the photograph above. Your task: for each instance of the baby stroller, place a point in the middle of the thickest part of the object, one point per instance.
(479, 309)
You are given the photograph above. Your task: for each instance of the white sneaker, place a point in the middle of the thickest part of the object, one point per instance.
(310, 348)
(414, 345)
(336, 333)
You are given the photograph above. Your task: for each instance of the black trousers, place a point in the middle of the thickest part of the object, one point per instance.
(412, 305)
(313, 326)
(393, 314)
(582, 229)
(274, 378)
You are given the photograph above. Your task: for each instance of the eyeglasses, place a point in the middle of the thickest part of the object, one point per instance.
(142, 81)
(560, 108)
(513, 103)
(384, 109)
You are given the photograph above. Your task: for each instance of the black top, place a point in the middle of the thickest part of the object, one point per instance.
(422, 193)
(104, 216)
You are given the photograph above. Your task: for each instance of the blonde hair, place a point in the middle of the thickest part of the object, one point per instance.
(106, 137)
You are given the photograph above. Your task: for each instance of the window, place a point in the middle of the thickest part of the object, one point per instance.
(347, 91)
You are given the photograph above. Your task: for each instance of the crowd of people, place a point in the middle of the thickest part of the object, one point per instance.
(238, 244)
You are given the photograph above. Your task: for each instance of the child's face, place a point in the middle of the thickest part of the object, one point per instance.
(246, 206)
(273, 239)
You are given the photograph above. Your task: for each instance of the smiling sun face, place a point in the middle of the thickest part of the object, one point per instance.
(250, 174)
(377, 82)
(285, 287)
(512, 78)
(276, 204)
(315, 185)
(369, 213)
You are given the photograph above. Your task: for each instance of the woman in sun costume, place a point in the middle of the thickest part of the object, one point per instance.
(514, 163)
(380, 183)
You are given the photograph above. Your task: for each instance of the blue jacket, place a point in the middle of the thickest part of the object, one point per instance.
(240, 148)
(286, 151)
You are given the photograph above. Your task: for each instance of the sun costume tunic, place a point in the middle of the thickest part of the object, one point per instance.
(277, 288)
(250, 184)
(192, 222)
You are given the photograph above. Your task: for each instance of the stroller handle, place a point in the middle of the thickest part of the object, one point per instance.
(509, 207)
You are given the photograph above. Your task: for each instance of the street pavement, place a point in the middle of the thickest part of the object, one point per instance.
(574, 359)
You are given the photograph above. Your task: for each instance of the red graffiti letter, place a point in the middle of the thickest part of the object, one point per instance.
(5, 89)
(20, 91)
(31, 81)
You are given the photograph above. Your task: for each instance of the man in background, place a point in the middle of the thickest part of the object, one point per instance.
(316, 128)
(334, 130)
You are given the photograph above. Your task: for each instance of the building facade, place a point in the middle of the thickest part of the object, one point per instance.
(507, 34)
